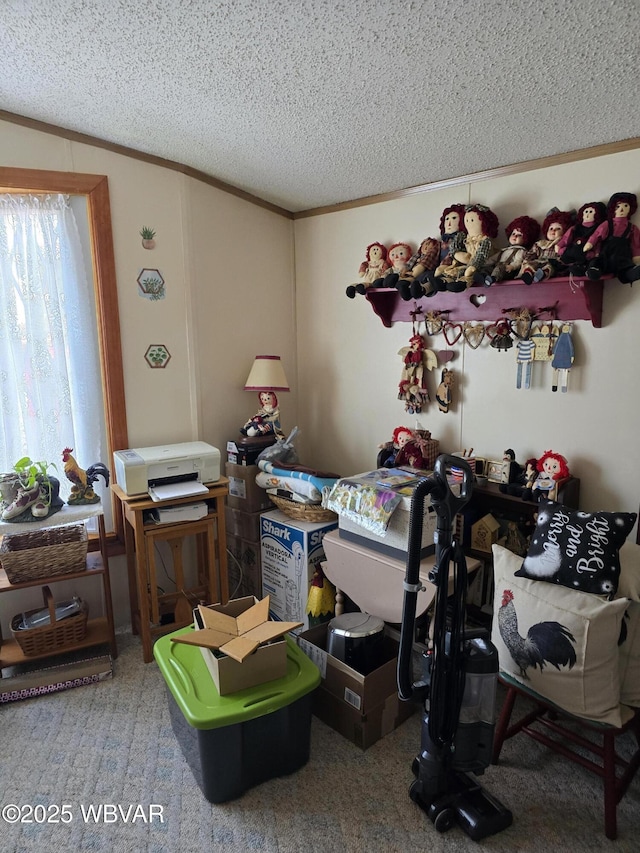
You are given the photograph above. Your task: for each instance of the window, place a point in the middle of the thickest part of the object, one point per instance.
(94, 190)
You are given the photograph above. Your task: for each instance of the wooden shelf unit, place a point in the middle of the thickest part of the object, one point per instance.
(101, 629)
(572, 298)
(147, 605)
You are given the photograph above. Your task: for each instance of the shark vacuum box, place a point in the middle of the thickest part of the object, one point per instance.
(234, 742)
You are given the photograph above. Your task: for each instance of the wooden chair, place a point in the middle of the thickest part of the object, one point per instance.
(556, 730)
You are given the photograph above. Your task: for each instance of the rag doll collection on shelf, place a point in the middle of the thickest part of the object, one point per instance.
(598, 241)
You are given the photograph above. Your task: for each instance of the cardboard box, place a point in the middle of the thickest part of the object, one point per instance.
(363, 708)
(244, 493)
(290, 552)
(245, 451)
(243, 566)
(240, 645)
(245, 525)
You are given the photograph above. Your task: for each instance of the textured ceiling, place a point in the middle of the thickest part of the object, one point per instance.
(306, 103)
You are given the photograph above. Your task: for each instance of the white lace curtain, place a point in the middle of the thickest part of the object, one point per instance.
(50, 379)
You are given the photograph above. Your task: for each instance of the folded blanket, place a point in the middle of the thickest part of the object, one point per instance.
(308, 488)
(294, 479)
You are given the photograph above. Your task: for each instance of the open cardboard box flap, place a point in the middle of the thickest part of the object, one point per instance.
(237, 636)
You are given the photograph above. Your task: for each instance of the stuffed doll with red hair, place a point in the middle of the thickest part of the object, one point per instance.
(431, 254)
(469, 252)
(570, 248)
(374, 266)
(541, 261)
(409, 453)
(616, 243)
(398, 258)
(521, 235)
(552, 470)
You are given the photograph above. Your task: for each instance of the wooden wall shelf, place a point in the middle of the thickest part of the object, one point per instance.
(573, 298)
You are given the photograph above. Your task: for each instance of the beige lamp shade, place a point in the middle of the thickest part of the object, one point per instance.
(267, 374)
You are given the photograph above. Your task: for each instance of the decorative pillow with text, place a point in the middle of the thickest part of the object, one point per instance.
(577, 549)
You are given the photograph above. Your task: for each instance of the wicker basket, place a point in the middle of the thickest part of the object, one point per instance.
(303, 512)
(44, 553)
(49, 638)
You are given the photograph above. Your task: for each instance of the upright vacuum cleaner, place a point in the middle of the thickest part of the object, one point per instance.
(458, 682)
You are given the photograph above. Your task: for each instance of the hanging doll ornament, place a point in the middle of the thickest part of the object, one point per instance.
(544, 337)
(443, 394)
(562, 361)
(416, 360)
(500, 334)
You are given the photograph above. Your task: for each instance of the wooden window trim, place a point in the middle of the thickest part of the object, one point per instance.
(96, 191)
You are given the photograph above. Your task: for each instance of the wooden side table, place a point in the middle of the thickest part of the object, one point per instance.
(140, 540)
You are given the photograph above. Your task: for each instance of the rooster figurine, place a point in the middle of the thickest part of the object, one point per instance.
(546, 642)
(82, 481)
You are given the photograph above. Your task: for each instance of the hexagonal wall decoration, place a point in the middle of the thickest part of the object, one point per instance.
(157, 355)
(151, 284)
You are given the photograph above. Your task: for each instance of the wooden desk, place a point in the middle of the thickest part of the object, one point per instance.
(147, 605)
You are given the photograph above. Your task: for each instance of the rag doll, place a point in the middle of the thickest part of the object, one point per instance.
(374, 266)
(427, 257)
(521, 235)
(412, 387)
(616, 242)
(570, 248)
(266, 421)
(541, 261)
(409, 452)
(451, 223)
(398, 257)
(551, 469)
(469, 252)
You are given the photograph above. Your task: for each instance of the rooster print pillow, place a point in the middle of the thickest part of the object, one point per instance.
(558, 642)
(577, 549)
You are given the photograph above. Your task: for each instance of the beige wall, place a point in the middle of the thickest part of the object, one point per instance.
(349, 366)
(230, 270)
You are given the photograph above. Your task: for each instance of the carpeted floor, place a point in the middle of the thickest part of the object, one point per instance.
(112, 743)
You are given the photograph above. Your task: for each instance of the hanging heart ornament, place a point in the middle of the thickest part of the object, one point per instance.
(452, 332)
(473, 334)
(433, 323)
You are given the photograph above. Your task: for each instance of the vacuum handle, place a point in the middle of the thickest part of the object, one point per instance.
(454, 502)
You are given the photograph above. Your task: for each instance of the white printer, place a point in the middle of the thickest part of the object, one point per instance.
(139, 469)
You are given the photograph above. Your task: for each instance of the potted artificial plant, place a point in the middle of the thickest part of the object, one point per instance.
(147, 235)
(30, 492)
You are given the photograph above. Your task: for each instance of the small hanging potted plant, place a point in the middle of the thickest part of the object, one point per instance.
(147, 235)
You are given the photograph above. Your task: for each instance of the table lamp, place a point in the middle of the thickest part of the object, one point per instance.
(266, 377)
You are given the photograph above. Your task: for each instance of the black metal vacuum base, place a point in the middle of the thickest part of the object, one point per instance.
(466, 804)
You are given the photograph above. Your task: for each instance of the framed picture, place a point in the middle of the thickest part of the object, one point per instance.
(481, 466)
(494, 470)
